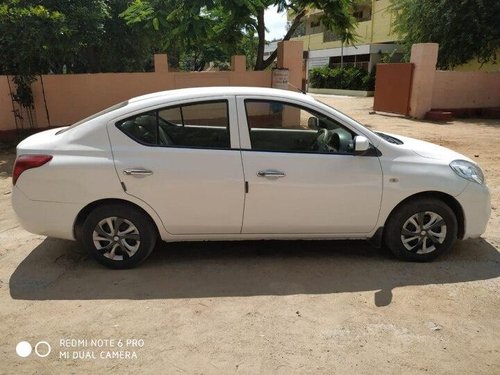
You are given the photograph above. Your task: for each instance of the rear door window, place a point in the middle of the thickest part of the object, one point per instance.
(199, 125)
(141, 128)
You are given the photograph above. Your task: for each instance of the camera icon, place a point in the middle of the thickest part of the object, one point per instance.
(42, 349)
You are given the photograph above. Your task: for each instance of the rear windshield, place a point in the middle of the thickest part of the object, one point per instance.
(103, 112)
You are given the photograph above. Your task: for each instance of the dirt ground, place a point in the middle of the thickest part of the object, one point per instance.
(260, 307)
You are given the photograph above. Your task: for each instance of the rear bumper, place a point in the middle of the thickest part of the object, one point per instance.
(476, 203)
(52, 219)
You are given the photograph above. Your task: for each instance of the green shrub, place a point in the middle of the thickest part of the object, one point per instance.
(348, 78)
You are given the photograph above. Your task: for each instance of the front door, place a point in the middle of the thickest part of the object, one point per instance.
(179, 160)
(302, 174)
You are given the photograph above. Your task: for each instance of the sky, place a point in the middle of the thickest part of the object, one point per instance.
(275, 23)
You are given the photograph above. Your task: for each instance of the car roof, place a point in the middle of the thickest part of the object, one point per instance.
(195, 93)
(139, 103)
(199, 92)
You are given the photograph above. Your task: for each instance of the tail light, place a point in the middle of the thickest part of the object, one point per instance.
(25, 162)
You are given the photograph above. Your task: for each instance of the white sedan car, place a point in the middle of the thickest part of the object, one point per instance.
(236, 163)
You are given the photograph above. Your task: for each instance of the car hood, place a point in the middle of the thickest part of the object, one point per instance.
(429, 150)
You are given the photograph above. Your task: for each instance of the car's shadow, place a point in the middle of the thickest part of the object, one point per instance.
(60, 270)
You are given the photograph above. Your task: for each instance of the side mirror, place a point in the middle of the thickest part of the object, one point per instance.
(313, 123)
(361, 144)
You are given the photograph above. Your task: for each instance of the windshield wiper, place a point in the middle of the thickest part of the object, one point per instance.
(390, 139)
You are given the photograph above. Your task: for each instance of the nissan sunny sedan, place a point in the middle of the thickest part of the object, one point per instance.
(238, 163)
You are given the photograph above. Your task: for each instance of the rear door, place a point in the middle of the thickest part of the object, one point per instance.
(184, 161)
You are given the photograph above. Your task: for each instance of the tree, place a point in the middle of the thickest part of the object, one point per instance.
(336, 17)
(84, 35)
(123, 48)
(26, 36)
(98, 39)
(192, 32)
(465, 29)
(222, 25)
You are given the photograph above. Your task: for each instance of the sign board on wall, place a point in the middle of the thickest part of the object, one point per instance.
(280, 79)
(318, 62)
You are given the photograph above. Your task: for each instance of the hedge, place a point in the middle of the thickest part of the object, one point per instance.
(348, 78)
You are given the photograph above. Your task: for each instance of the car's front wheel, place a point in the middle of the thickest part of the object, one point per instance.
(421, 230)
(118, 236)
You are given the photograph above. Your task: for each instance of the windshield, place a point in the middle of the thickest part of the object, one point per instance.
(103, 112)
(384, 136)
(349, 117)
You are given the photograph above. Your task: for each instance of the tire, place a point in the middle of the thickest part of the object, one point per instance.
(119, 236)
(409, 240)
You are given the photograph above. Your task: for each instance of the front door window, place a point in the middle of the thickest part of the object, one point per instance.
(284, 127)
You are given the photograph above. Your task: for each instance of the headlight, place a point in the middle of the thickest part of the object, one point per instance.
(468, 170)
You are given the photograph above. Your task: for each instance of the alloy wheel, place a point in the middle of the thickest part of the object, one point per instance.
(116, 238)
(423, 232)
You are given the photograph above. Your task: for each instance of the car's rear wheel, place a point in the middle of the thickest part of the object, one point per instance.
(421, 230)
(119, 236)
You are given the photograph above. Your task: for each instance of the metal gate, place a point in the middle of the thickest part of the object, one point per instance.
(393, 88)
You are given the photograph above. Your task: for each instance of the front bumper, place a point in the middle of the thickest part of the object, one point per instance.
(476, 204)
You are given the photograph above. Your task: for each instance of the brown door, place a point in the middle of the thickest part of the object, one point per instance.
(304, 75)
(393, 88)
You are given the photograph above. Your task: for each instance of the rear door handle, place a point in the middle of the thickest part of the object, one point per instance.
(137, 172)
(271, 173)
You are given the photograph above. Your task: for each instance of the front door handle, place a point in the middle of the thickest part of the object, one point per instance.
(137, 172)
(271, 173)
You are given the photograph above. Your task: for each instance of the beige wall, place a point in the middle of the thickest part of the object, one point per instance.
(6, 116)
(75, 96)
(424, 58)
(454, 89)
(71, 97)
(290, 56)
(436, 89)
